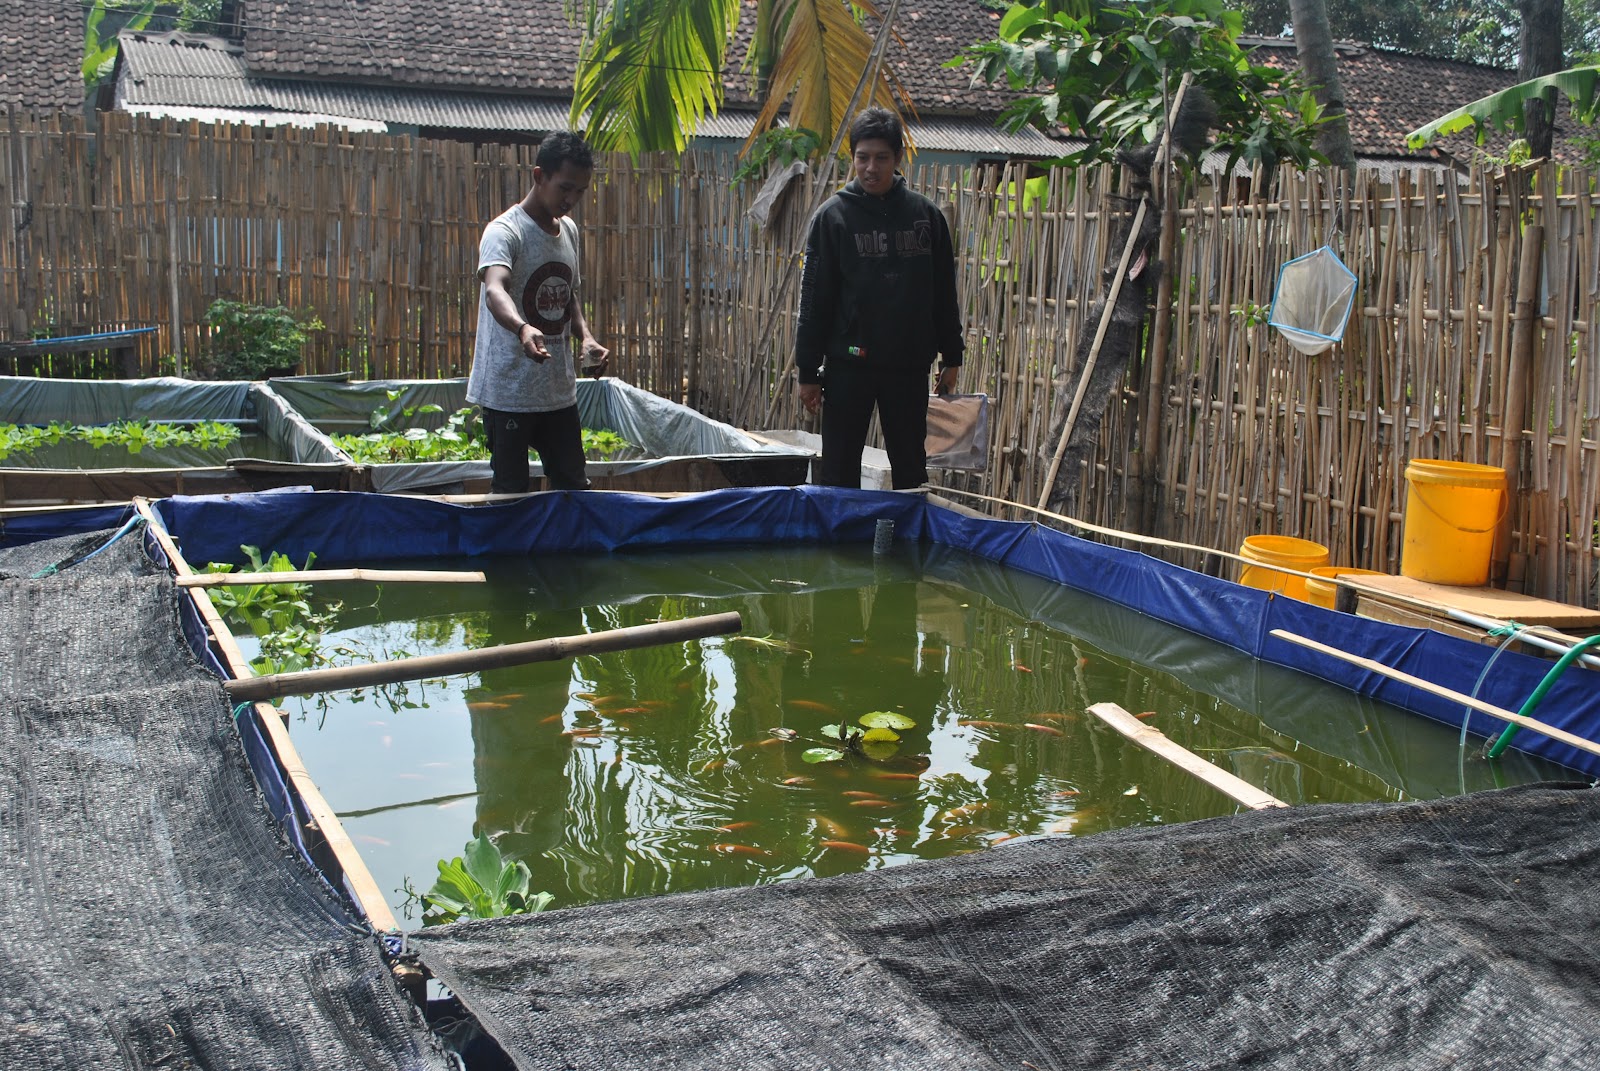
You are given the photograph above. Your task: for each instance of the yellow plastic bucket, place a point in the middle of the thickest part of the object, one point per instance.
(1287, 552)
(1325, 593)
(1452, 510)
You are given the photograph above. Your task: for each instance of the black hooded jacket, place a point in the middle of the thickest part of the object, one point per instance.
(879, 283)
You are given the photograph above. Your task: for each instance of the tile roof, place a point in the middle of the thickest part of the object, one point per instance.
(197, 77)
(497, 46)
(41, 49)
(1389, 94)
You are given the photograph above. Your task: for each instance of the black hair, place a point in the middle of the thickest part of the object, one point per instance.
(878, 123)
(563, 147)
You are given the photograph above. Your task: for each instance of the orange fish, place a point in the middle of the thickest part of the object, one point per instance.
(933, 650)
(1083, 661)
(796, 780)
(871, 803)
(1146, 714)
(581, 732)
(589, 696)
(1067, 793)
(1051, 729)
(809, 704)
(1052, 715)
(484, 704)
(713, 765)
(625, 712)
(511, 697)
(768, 742)
(859, 795)
(980, 723)
(740, 849)
(1020, 668)
(551, 720)
(734, 827)
(847, 846)
(830, 826)
(893, 775)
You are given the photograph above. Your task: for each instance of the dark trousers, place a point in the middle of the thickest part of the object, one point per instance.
(851, 388)
(556, 435)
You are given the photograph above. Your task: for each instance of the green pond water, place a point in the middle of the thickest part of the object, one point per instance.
(655, 770)
(74, 454)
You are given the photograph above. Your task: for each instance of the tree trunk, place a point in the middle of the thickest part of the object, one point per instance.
(1539, 53)
(1313, 41)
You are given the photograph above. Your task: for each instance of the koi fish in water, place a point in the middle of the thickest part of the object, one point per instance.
(734, 827)
(723, 848)
(810, 704)
(847, 846)
(857, 794)
(485, 704)
(1036, 727)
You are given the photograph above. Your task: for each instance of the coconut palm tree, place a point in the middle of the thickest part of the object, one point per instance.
(651, 71)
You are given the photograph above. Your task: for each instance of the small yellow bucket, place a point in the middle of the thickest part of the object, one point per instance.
(1452, 510)
(1325, 593)
(1263, 551)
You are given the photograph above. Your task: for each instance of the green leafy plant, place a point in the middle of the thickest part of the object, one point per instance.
(250, 341)
(100, 40)
(481, 884)
(1104, 70)
(279, 615)
(135, 435)
(460, 438)
(781, 146)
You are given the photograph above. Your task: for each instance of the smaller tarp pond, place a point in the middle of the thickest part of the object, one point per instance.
(681, 449)
(91, 461)
(655, 771)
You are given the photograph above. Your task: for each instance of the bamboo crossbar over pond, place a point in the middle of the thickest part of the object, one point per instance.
(319, 576)
(1242, 435)
(312, 681)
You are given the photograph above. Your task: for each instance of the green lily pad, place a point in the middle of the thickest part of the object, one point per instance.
(887, 719)
(821, 754)
(879, 750)
(873, 736)
(830, 731)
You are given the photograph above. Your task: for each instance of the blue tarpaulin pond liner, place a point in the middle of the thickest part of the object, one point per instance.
(24, 400)
(368, 529)
(686, 451)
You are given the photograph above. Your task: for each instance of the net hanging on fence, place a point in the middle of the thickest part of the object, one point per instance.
(1313, 301)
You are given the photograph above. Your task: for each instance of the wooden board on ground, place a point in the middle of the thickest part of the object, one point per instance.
(1482, 602)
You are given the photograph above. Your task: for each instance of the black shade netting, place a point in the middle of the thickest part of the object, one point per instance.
(153, 914)
(1455, 934)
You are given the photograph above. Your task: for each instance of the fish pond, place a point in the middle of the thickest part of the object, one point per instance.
(720, 762)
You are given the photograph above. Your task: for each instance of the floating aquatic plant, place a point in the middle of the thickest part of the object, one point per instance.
(876, 738)
(481, 884)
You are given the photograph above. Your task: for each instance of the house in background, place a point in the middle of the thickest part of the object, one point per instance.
(1389, 94)
(41, 51)
(498, 72)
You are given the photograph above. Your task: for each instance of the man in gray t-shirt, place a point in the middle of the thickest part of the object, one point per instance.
(528, 313)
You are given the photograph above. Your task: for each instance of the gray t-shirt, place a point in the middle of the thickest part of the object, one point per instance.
(544, 277)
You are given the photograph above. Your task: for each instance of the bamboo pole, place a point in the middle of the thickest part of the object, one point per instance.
(1111, 302)
(1524, 326)
(1154, 740)
(1532, 724)
(308, 682)
(317, 576)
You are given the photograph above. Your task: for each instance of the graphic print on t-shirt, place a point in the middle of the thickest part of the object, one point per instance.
(547, 297)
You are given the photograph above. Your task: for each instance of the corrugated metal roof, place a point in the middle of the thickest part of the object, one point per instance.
(192, 76)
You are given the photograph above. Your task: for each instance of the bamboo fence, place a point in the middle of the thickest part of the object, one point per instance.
(1224, 432)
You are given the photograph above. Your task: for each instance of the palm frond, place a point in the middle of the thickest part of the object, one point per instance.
(651, 71)
(823, 52)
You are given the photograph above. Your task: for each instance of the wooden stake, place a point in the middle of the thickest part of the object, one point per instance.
(1152, 739)
(1440, 690)
(318, 576)
(308, 682)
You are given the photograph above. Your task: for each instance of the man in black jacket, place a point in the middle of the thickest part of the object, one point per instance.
(877, 304)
